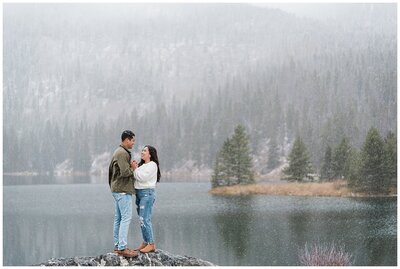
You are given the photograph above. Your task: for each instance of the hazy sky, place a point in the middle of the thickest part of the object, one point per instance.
(319, 10)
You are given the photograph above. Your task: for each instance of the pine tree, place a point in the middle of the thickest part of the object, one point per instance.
(273, 155)
(340, 157)
(242, 162)
(354, 170)
(81, 159)
(48, 147)
(233, 164)
(391, 158)
(299, 163)
(373, 174)
(11, 150)
(327, 166)
(223, 166)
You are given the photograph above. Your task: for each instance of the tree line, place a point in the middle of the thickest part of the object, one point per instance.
(372, 169)
(69, 96)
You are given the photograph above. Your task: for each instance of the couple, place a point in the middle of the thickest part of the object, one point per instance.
(126, 178)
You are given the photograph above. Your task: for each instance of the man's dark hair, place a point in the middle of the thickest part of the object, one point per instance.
(127, 134)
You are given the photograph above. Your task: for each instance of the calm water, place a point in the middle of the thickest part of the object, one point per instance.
(45, 221)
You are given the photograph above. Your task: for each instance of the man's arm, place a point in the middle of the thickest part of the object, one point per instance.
(124, 165)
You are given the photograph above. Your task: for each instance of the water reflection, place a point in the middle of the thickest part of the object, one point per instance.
(38, 238)
(378, 228)
(233, 226)
(299, 225)
(367, 231)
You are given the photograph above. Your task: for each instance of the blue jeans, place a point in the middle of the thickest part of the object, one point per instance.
(122, 219)
(144, 205)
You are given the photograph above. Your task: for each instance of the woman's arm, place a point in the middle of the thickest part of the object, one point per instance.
(146, 172)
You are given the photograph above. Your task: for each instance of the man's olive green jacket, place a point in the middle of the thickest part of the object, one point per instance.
(120, 174)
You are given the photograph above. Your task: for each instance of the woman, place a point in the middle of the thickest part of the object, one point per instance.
(147, 174)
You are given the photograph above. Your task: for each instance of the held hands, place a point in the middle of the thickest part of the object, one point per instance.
(134, 165)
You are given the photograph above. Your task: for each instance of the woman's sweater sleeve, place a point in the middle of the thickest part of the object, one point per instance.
(146, 173)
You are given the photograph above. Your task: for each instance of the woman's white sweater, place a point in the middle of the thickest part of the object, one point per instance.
(146, 176)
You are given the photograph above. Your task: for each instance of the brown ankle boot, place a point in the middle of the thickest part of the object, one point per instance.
(128, 253)
(149, 248)
(143, 245)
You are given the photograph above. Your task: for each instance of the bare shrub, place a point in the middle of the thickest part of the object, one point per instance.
(324, 255)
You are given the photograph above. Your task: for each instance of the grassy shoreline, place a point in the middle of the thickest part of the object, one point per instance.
(337, 188)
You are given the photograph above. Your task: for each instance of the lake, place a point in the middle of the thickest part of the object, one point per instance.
(56, 220)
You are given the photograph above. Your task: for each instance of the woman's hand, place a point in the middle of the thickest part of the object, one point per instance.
(134, 165)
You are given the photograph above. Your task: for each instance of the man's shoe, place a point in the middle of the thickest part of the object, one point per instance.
(127, 253)
(148, 248)
(116, 251)
(143, 245)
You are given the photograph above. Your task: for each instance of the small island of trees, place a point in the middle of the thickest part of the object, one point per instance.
(371, 170)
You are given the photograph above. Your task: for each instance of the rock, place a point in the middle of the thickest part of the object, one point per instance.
(157, 258)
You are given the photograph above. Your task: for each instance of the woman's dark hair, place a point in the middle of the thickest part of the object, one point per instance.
(154, 158)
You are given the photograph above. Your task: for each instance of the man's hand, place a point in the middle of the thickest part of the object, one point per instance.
(134, 165)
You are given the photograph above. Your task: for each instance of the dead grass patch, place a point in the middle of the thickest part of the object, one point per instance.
(337, 188)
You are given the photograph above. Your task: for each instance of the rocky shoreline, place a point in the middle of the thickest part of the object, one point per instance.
(157, 258)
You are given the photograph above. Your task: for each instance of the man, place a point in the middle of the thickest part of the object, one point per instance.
(120, 179)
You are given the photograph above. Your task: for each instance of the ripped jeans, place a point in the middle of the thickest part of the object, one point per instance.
(144, 205)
